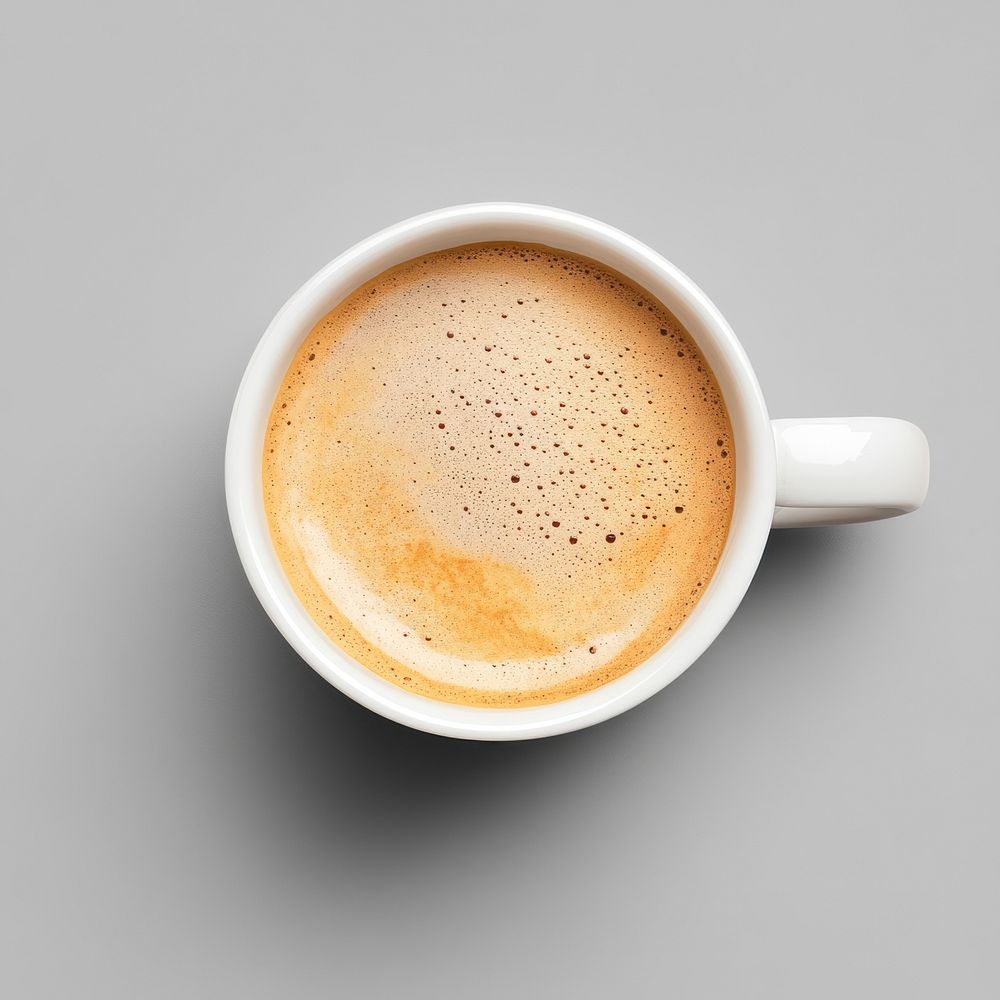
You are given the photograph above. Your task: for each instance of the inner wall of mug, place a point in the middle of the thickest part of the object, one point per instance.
(753, 504)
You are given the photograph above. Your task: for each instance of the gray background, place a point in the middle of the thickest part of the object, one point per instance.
(188, 810)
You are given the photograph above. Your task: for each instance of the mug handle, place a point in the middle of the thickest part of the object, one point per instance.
(843, 470)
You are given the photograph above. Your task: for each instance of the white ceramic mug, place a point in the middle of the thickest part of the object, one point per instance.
(788, 472)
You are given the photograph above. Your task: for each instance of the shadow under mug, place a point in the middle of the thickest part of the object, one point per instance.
(798, 472)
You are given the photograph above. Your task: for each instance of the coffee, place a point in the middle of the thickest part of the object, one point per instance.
(499, 475)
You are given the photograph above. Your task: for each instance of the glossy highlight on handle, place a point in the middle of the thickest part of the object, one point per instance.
(844, 470)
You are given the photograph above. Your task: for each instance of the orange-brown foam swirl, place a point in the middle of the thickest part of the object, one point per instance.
(499, 475)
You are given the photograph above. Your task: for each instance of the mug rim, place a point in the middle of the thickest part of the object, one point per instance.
(755, 482)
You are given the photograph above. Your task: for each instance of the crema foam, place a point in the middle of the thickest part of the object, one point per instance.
(499, 475)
